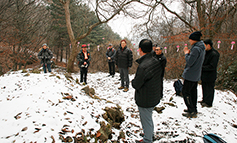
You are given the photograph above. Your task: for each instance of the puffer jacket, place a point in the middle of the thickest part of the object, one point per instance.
(147, 81)
(45, 55)
(194, 61)
(124, 57)
(81, 59)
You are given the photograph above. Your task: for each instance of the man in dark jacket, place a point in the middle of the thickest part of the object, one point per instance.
(110, 55)
(147, 84)
(192, 73)
(45, 55)
(84, 59)
(161, 57)
(124, 59)
(209, 73)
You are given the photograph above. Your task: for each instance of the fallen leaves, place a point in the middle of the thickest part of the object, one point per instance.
(18, 116)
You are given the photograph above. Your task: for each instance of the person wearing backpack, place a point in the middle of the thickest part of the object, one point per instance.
(209, 73)
(110, 54)
(84, 59)
(192, 73)
(45, 55)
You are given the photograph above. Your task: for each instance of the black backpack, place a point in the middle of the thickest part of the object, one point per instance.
(212, 138)
(178, 86)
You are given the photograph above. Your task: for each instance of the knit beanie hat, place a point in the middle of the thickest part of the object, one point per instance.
(195, 36)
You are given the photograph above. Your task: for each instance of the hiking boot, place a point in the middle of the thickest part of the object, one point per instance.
(190, 115)
(121, 87)
(125, 89)
(140, 141)
(153, 137)
(200, 102)
(205, 105)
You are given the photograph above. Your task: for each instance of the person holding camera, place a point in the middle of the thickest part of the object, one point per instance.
(45, 55)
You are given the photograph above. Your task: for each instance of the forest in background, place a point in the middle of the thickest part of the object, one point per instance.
(66, 24)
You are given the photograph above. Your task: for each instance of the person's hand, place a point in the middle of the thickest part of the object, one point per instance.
(186, 50)
(84, 63)
(109, 58)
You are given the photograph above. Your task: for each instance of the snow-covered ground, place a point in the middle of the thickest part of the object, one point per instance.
(33, 110)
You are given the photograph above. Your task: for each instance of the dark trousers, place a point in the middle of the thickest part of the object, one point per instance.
(111, 68)
(83, 72)
(48, 67)
(208, 92)
(190, 95)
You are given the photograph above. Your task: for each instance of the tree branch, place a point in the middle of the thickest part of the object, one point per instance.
(178, 16)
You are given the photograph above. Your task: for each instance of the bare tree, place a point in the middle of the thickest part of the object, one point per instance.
(26, 27)
(104, 10)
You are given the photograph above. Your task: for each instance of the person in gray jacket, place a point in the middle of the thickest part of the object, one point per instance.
(45, 55)
(192, 73)
(110, 54)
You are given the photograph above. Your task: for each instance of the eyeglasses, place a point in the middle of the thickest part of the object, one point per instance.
(157, 49)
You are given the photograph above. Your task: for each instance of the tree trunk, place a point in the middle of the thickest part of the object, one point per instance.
(70, 65)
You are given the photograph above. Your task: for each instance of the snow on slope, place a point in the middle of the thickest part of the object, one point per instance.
(32, 109)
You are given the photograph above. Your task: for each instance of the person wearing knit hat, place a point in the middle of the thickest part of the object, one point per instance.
(84, 59)
(192, 73)
(196, 36)
(45, 55)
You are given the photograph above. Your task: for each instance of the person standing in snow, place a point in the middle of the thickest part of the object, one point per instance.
(147, 85)
(84, 59)
(123, 60)
(161, 57)
(192, 73)
(110, 54)
(45, 55)
(209, 72)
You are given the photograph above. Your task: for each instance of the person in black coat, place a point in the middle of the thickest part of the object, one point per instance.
(45, 55)
(123, 60)
(84, 59)
(147, 85)
(110, 55)
(209, 73)
(161, 57)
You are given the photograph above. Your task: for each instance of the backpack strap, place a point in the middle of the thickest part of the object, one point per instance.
(216, 137)
(209, 139)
